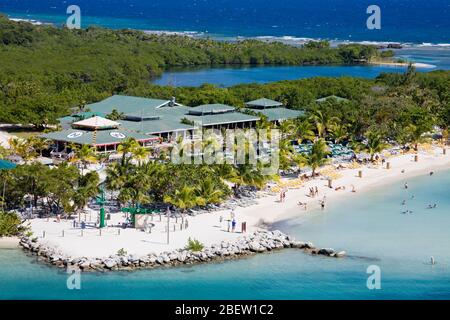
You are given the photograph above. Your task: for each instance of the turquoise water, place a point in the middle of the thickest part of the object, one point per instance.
(371, 228)
(229, 76)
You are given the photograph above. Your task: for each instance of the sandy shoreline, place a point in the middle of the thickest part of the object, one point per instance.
(403, 64)
(372, 177)
(207, 227)
(9, 242)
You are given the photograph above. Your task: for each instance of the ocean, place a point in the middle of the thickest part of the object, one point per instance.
(411, 21)
(370, 227)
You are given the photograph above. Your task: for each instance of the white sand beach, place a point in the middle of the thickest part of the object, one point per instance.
(9, 242)
(419, 65)
(207, 227)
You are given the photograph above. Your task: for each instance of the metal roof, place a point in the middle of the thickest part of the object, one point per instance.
(126, 105)
(263, 103)
(339, 99)
(162, 125)
(221, 118)
(96, 138)
(279, 114)
(211, 108)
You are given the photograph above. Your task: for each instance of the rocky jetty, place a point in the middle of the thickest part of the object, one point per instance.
(258, 242)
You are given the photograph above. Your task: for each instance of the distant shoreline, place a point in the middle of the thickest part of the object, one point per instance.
(404, 64)
(287, 39)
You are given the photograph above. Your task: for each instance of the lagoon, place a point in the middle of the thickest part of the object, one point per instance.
(438, 57)
(370, 227)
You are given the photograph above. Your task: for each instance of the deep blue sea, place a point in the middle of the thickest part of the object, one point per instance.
(369, 226)
(417, 21)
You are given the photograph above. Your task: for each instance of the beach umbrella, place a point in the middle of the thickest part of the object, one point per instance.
(5, 165)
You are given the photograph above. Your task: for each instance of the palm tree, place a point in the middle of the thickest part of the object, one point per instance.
(137, 188)
(141, 154)
(338, 133)
(246, 174)
(22, 148)
(317, 156)
(127, 147)
(287, 128)
(374, 144)
(85, 154)
(87, 188)
(114, 115)
(304, 131)
(286, 154)
(38, 144)
(115, 177)
(263, 123)
(208, 191)
(184, 198)
(322, 122)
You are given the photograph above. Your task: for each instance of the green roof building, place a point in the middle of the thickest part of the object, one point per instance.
(263, 103)
(273, 110)
(148, 120)
(339, 99)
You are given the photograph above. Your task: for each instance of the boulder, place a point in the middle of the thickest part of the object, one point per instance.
(110, 263)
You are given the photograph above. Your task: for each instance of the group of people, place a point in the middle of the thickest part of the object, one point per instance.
(313, 191)
(232, 223)
(430, 206)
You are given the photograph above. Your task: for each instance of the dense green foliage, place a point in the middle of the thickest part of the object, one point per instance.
(10, 224)
(58, 190)
(47, 71)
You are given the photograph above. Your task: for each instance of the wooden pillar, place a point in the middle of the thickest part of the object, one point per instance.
(416, 158)
(388, 165)
(444, 150)
(360, 173)
(330, 183)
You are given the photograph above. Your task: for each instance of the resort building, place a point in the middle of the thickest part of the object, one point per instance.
(105, 124)
(332, 97)
(273, 110)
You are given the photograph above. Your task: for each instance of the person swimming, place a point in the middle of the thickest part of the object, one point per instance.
(432, 206)
(406, 185)
(432, 261)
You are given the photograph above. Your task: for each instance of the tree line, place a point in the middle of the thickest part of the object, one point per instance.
(47, 72)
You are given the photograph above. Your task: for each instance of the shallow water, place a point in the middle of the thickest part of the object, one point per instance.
(371, 228)
(229, 76)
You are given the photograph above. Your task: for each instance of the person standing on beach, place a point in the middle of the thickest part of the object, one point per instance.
(233, 225)
(317, 191)
(322, 204)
